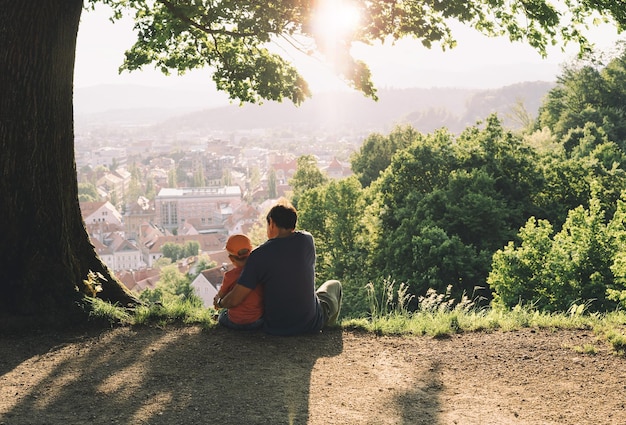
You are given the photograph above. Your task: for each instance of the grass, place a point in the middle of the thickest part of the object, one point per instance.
(437, 316)
(586, 349)
(155, 315)
(610, 326)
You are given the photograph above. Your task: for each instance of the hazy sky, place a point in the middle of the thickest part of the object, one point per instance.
(477, 61)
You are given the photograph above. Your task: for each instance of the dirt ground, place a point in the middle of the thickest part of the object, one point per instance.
(192, 376)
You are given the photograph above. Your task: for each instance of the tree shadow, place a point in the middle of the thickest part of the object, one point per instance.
(422, 405)
(16, 347)
(173, 376)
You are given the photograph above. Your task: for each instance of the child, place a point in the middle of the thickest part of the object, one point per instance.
(248, 314)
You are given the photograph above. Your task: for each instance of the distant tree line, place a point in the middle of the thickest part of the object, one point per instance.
(175, 251)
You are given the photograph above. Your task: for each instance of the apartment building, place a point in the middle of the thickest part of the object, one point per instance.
(210, 205)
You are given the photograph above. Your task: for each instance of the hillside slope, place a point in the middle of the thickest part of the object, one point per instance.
(424, 109)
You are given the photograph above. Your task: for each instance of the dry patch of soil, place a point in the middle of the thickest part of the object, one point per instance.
(189, 376)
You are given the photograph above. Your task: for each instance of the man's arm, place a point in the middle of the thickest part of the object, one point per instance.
(235, 296)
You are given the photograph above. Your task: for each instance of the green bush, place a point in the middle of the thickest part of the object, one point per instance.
(575, 266)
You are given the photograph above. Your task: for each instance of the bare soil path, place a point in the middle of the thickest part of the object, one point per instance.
(191, 376)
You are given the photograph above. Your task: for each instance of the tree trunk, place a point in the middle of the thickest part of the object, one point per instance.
(45, 253)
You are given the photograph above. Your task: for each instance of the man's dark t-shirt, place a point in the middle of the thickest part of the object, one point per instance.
(286, 269)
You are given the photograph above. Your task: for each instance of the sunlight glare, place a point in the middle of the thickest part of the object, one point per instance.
(335, 19)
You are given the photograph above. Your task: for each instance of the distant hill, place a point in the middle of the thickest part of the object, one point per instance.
(424, 109)
(139, 105)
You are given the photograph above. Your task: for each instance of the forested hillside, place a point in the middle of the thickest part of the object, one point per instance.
(534, 216)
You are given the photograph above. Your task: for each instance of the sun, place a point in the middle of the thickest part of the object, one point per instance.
(335, 20)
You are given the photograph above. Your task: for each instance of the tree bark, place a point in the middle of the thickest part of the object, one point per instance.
(45, 253)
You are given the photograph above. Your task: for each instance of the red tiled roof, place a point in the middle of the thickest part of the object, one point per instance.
(208, 243)
(88, 208)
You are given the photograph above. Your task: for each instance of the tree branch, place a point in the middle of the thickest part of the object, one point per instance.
(175, 11)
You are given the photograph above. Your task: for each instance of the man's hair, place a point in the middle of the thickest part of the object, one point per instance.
(284, 216)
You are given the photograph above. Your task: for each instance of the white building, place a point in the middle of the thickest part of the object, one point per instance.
(100, 212)
(207, 283)
(127, 256)
(118, 253)
(108, 156)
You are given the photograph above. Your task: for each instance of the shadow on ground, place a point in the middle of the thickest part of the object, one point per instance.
(151, 376)
(135, 376)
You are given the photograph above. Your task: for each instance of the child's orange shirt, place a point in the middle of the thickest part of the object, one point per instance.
(251, 308)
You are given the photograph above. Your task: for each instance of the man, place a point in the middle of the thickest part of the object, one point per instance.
(285, 267)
